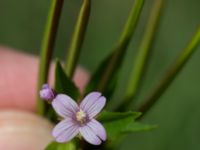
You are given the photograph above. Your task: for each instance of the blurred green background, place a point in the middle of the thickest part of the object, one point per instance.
(177, 113)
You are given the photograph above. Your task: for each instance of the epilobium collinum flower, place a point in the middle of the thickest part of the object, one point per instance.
(46, 93)
(79, 119)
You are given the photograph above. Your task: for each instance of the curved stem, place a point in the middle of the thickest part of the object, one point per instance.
(140, 63)
(170, 75)
(122, 44)
(47, 48)
(77, 38)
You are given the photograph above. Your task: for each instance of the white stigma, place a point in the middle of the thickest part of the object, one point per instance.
(81, 116)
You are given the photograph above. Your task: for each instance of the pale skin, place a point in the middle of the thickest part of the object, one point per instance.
(20, 128)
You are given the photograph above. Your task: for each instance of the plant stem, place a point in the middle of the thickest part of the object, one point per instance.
(170, 75)
(122, 44)
(77, 38)
(140, 63)
(47, 48)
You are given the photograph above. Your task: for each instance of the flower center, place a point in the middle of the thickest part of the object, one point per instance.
(81, 116)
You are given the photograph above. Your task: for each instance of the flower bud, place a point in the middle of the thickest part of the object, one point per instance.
(47, 93)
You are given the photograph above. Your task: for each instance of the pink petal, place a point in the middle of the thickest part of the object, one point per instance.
(65, 130)
(98, 129)
(93, 103)
(89, 100)
(65, 106)
(96, 107)
(89, 135)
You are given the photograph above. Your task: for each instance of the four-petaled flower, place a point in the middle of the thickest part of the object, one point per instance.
(79, 119)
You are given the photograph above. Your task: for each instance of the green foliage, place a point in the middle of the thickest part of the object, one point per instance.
(105, 77)
(136, 126)
(106, 116)
(118, 123)
(61, 146)
(96, 77)
(47, 48)
(171, 73)
(77, 38)
(63, 84)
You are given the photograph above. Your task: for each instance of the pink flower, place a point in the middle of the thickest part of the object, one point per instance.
(79, 119)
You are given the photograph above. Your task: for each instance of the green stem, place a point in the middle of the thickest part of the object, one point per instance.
(140, 64)
(170, 75)
(122, 44)
(47, 48)
(77, 38)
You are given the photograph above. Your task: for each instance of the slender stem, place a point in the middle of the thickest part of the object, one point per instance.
(77, 38)
(47, 47)
(170, 75)
(122, 44)
(140, 64)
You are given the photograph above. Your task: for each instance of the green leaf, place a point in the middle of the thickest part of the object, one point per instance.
(136, 126)
(141, 61)
(63, 84)
(172, 72)
(104, 80)
(47, 49)
(106, 116)
(61, 146)
(77, 38)
(96, 77)
(117, 123)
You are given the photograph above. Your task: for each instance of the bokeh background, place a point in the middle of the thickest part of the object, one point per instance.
(177, 113)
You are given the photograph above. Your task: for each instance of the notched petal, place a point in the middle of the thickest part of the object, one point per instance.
(89, 135)
(93, 103)
(65, 106)
(89, 100)
(65, 130)
(96, 107)
(98, 128)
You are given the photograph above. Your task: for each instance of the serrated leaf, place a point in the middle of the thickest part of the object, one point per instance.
(63, 84)
(117, 123)
(61, 146)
